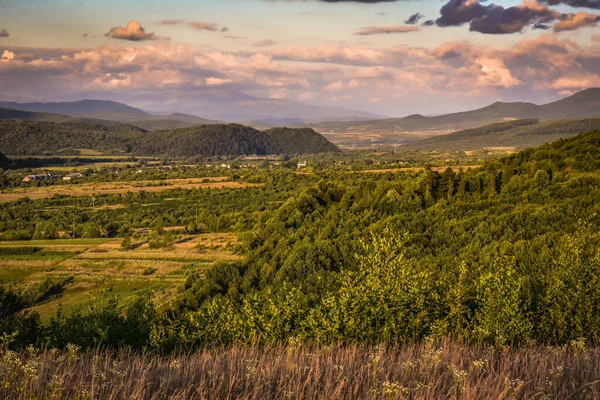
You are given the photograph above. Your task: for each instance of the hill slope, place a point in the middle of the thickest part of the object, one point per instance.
(300, 141)
(583, 104)
(6, 113)
(519, 134)
(207, 140)
(42, 137)
(99, 109)
(4, 161)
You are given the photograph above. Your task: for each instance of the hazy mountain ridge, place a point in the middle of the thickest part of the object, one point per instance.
(226, 105)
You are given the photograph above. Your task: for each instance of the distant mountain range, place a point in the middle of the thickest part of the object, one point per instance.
(223, 105)
(357, 132)
(582, 104)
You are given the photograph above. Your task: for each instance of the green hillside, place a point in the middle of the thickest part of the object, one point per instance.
(207, 140)
(519, 134)
(6, 113)
(300, 141)
(37, 138)
(4, 161)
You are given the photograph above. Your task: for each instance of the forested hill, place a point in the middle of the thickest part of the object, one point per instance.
(520, 134)
(207, 140)
(300, 141)
(41, 137)
(4, 161)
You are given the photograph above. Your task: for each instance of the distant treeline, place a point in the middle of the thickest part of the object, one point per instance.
(37, 138)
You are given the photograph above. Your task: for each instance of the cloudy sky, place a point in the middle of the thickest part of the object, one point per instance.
(387, 57)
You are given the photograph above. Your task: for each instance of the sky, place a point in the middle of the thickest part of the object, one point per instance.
(387, 57)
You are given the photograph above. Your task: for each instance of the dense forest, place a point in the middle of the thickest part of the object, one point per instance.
(503, 254)
(35, 138)
(4, 161)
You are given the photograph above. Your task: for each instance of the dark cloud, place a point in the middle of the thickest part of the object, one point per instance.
(500, 20)
(594, 4)
(429, 22)
(4, 33)
(541, 26)
(224, 29)
(413, 19)
(459, 12)
(495, 19)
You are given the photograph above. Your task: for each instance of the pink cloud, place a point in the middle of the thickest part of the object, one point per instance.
(132, 31)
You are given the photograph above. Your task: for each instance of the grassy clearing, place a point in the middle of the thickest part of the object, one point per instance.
(432, 370)
(100, 266)
(88, 189)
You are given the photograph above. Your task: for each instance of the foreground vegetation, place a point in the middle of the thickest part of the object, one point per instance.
(431, 370)
(505, 254)
(286, 283)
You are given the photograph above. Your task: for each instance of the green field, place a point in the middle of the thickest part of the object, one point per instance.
(98, 268)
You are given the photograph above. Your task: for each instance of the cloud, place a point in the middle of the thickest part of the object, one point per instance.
(413, 19)
(500, 20)
(172, 22)
(577, 82)
(334, 87)
(264, 43)
(203, 26)
(575, 21)
(342, 75)
(495, 19)
(459, 12)
(199, 25)
(4, 33)
(7, 56)
(133, 32)
(594, 4)
(217, 81)
(378, 30)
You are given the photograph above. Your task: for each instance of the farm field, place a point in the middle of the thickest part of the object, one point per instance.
(91, 268)
(420, 169)
(104, 188)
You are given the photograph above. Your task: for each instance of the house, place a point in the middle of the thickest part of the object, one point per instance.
(32, 178)
(69, 177)
(302, 165)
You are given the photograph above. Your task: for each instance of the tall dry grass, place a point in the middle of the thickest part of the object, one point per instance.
(442, 370)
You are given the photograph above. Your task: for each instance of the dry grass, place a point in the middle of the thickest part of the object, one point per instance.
(88, 189)
(444, 370)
